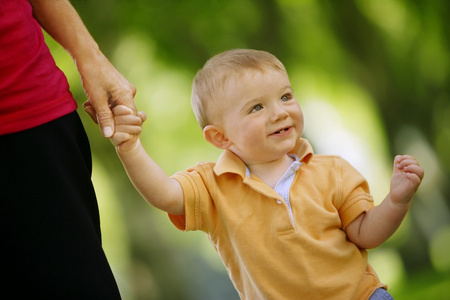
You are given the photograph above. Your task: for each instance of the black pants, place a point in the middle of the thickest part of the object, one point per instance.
(50, 243)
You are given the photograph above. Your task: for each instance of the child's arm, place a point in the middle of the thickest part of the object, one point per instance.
(371, 229)
(149, 179)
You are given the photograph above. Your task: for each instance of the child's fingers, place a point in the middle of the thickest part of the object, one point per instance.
(409, 165)
(127, 120)
(142, 115)
(120, 110)
(401, 161)
(414, 170)
(402, 158)
(119, 138)
(414, 180)
(129, 129)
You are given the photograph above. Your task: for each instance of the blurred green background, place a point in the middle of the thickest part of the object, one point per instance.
(372, 78)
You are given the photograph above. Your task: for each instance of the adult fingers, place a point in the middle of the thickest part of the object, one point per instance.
(89, 109)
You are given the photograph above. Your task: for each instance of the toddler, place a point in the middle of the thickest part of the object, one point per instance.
(287, 223)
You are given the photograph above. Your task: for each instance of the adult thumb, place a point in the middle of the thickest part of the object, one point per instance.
(105, 119)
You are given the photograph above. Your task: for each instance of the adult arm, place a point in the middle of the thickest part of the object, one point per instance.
(105, 87)
(374, 227)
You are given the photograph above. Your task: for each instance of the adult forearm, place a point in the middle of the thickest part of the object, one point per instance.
(62, 22)
(105, 86)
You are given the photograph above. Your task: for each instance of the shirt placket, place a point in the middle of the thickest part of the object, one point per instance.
(283, 187)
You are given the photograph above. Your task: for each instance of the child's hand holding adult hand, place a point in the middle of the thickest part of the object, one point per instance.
(128, 128)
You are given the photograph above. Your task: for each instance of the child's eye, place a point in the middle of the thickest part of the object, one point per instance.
(257, 107)
(286, 97)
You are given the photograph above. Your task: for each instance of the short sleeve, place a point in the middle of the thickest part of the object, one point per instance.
(355, 194)
(199, 207)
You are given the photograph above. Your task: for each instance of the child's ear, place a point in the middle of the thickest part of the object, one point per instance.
(215, 135)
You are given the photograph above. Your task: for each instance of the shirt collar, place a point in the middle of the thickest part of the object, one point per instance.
(229, 162)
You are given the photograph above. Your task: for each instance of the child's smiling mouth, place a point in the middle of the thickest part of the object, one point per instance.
(281, 131)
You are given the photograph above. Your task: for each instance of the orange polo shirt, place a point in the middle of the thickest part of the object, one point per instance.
(268, 256)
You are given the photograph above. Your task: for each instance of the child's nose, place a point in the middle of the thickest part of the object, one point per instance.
(280, 113)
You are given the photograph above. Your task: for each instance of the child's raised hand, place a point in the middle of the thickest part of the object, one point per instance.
(406, 178)
(128, 128)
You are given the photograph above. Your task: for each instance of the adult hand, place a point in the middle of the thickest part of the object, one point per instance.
(105, 88)
(103, 84)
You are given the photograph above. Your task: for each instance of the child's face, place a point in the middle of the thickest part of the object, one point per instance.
(261, 118)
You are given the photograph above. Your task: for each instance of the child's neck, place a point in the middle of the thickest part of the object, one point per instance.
(271, 172)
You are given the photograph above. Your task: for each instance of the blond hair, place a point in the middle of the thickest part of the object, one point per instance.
(211, 80)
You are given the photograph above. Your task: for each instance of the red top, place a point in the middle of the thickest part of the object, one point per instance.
(33, 90)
